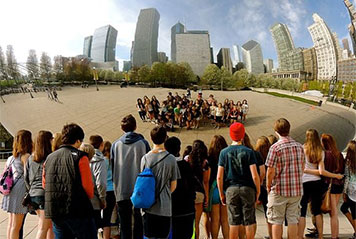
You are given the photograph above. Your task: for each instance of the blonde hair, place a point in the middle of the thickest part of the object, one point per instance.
(312, 146)
(88, 148)
(57, 141)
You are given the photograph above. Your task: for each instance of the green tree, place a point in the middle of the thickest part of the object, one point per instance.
(109, 75)
(188, 75)
(239, 78)
(3, 68)
(211, 75)
(226, 78)
(101, 74)
(58, 68)
(119, 75)
(339, 89)
(240, 66)
(347, 90)
(133, 74)
(45, 66)
(32, 65)
(159, 73)
(144, 74)
(12, 68)
(353, 91)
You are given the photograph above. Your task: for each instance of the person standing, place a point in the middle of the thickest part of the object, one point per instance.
(237, 173)
(285, 162)
(69, 187)
(12, 203)
(33, 180)
(126, 154)
(157, 219)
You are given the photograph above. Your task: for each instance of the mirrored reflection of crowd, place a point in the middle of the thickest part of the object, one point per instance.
(182, 111)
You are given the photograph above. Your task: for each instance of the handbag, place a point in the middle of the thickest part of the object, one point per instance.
(326, 204)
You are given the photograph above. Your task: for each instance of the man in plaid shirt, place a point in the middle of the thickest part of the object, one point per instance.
(285, 162)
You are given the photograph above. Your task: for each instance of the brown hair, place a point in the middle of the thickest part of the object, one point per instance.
(43, 146)
(88, 148)
(351, 155)
(329, 144)
(22, 143)
(312, 146)
(96, 141)
(128, 123)
(106, 149)
(57, 141)
(272, 139)
(247, 142)
(282, 127)
(262, 146)
(158, 135)
(217, 144)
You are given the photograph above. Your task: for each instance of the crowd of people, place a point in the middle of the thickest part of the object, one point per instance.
(183, 111)
(75, 188)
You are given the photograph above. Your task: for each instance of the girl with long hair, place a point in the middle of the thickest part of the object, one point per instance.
(12, 203)
(218, 213)
(57, 141)
(334, 162)
(312, 183)
(198, 159)
(141, 109)
(350, 185)
(33, 180)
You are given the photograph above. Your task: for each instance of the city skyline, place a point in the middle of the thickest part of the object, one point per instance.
(229, 23)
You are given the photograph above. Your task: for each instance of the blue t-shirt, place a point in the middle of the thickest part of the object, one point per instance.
(109, 183)
(236, 160)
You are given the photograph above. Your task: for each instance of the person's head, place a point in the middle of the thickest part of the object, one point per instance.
(43, 146)
(213, 103)
(329, 144)
(128, 123)
(282, 127)
(22, 143)
(312, 145)
(237, 132)
(154, 98)
(57, 141)
(178, 106)
(247, 142)
(172, 145)
(238, 103)
(220, 105)
(351, 155)
(96, 141)
(272, 139)
(72, 134)
(198, 154)
(89, 149)
(217, 144)
(244, 101)
(262, 146)
(145, 97)
(158, 135)
(139, 101)
(106, 149)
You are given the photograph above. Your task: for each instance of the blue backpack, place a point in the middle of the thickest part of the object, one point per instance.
(144, 194)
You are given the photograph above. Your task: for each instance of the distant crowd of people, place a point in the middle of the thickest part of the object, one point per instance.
(76, 188)
(183, 111)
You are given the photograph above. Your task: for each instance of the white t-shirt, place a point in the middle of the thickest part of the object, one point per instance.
(311, 177)
(219, 112)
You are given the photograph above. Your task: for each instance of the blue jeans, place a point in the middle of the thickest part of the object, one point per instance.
(71, 228)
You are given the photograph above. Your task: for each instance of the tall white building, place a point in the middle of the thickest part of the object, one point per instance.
(237, 55)
(252, 57)
(326, 52)
(269, 65)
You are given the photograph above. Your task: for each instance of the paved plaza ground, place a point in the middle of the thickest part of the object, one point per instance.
(100, 112)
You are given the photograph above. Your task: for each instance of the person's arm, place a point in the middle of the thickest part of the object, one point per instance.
(206, 178)
(27, 175)
(85, 175)
(256, 180)
(346, 184)
(270, 176)
(262, 173)
(44, 175)
(326, 173)
(173, 185)
(220, 182)
(100, 175)
(312, 171)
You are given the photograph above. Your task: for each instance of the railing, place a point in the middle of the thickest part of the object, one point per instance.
(5, 155)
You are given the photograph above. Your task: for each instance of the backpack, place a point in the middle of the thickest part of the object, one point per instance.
(144, 194)
(6, 179)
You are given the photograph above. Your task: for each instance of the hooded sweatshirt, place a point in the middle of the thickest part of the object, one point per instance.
(126, 155)
(99, 171)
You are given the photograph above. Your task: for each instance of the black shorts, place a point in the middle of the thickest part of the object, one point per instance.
(37, 202)
(107, 212)
(313, 191)
(156, 226)
(219, 119)
(336, 189)
(349, 204)
(264, 199)
(182, 227)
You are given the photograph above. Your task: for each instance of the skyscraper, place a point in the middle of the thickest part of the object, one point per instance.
(104, 44)
(194, 48)
(146, 37)
(224, 59)
(87, 46)
(324, 47)
(337, 46)
(310, 63)
(352, 27)
(252, 57)
(237, 54)
(269, 65)
(346, 53)
(176, 29)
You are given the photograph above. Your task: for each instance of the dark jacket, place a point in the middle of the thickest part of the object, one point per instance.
(65, 196)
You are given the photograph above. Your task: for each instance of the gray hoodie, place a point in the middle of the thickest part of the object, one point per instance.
(99, 173)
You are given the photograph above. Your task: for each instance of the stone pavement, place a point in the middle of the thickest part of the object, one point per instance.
(101, 112)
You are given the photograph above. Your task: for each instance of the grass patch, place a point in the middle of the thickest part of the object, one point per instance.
(311, 102)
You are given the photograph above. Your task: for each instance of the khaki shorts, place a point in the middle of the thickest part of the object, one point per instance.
(280, 207)
(199, 197)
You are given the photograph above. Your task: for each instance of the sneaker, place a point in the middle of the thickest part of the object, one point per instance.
(312, 235)
(266, 237)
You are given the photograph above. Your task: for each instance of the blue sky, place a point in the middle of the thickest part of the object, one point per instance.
(59, 27)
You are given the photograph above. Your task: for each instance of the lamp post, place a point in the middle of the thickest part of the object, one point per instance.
(95, 75)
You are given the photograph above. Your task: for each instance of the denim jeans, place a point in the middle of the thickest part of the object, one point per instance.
(75, 228)
(125, 210)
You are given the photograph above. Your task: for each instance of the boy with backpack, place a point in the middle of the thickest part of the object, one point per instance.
(157, 218)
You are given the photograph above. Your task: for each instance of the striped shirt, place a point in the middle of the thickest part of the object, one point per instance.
(286, 156)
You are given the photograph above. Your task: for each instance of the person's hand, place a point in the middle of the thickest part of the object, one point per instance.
(340, 176)
(223, 199)
(268, 188)
(102, 203)
(257, 196)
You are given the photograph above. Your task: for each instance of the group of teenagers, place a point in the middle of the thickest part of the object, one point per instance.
(183, 111)
(75, 186)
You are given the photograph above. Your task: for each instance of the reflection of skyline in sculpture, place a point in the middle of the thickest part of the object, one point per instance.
(176, 29)
(252, 57)
(352, 26)
(146, 38)
(224, 59)
(103, 45)
(237, 54)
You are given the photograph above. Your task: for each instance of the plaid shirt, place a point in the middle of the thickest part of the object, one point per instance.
(287, 158)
